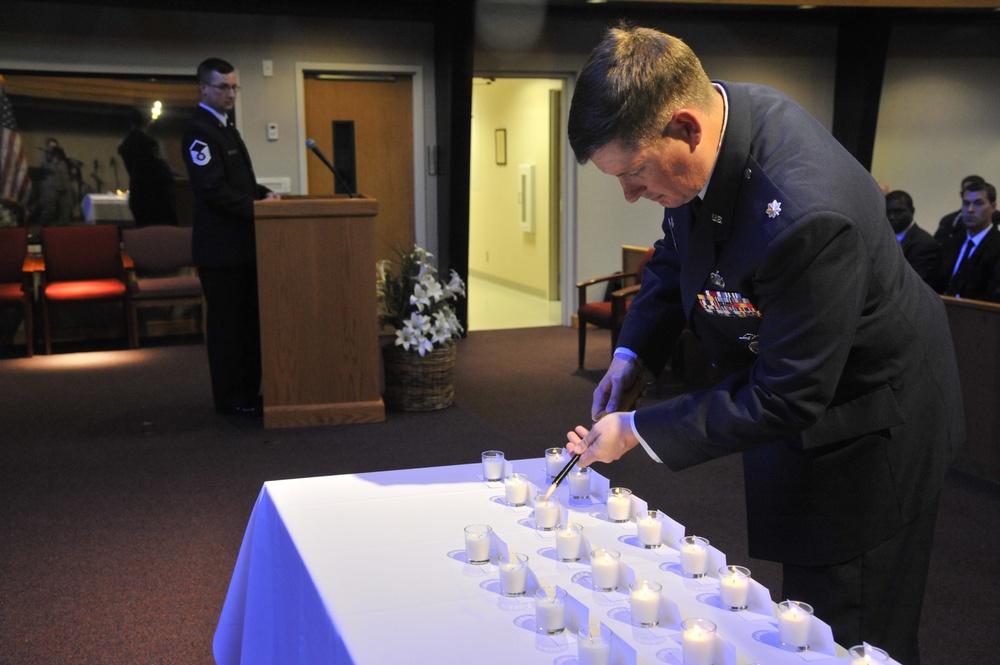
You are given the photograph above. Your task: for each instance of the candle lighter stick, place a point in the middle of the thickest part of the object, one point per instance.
(562, 475)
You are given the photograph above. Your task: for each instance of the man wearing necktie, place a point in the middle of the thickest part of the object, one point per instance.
(223, 240)
(971, 258)
(840, 386)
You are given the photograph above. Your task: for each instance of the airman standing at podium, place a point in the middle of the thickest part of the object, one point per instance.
(224, 243)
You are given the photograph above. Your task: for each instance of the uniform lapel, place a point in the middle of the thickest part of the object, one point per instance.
(713, 223)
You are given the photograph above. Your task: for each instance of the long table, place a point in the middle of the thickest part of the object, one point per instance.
(370, 569)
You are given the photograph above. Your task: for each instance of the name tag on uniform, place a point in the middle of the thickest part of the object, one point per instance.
(726, 303)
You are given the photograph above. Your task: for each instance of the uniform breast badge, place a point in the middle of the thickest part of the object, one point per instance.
(725, 303)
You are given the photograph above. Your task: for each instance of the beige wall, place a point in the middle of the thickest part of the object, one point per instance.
(498, 247)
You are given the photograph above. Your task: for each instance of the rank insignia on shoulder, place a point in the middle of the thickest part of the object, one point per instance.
(725, 303)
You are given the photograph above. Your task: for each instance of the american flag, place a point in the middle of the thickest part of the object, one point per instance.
(14, 181)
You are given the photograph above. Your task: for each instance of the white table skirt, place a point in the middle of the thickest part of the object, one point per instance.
(370, 569)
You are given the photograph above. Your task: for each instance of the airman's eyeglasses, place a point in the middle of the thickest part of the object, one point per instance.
(224, 88)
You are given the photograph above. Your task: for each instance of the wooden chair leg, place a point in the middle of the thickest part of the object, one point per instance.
(29, 328)
(45, 327)
(581, 324)
(132, 325)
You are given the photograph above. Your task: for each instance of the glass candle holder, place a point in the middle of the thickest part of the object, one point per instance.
(555, 460)
(513, 574)
(493, 465)
(694, 556)
(866, 654)
(579, 483)
(644, 602)
(604, 569)
(697, 642)
(515, 487)
(619, 504)
(734, 587)
(477, 543)
(794, 618)
(547, 512)
(649, 528)
(569, 542)
(594, 645)
(550, 610)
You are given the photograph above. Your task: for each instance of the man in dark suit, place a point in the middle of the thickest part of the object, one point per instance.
(841, 388)
(951, 225)
(970, 259)
(920, 249)
(223, 240)
(151, 180)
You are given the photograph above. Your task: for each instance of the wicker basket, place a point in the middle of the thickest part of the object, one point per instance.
(419, 383)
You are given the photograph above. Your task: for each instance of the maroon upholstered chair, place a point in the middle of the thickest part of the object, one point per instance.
(15, 277)
(82, 264)
(608, 314)
(162, 273)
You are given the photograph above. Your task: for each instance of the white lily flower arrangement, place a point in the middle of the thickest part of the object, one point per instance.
(417, 303)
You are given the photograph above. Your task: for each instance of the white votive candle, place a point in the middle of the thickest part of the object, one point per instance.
(546, 512)
(493, 463)
(550, 610)
(594, 645)
(866, 654)
(569, 542)
(604, 569)
(694, 556)
(477, 543)
(555, 460)
(734, 587)
(513, 574)
(649, 528)
(515, 487)
(579, 482)
(619, 504)
(644, 602)
(698, 642)
(794, 618)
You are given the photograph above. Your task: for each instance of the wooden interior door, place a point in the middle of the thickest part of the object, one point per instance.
(382, 111)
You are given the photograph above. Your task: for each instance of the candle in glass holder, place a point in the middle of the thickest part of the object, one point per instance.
(644, 602)
(866, 654)
(619, 504)
(515, 487)
(734, 587)
(698, 642)
(650, 528)
(694, 556)
(569, 542)
(604, 569)
(579, 483)
(594, 644)
(555, 460)
(513, 574)
(550, 609)
(477, 543)
(493, 463)
(546, 512)
(794, 618)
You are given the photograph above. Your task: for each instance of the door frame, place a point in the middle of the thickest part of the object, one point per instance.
(567, 188)
(425, 237)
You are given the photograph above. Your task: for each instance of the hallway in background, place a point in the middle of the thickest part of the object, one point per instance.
(496, 307)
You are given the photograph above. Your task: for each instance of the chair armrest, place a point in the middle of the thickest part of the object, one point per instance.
(626, 292)
(581, 287)
(127, 261)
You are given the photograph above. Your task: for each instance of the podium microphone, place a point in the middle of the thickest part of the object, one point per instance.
(311, 144)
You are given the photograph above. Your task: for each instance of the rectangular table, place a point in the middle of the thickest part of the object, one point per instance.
(370, 569)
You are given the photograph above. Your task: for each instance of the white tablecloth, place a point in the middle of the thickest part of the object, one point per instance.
(370, 569)
(107, 209)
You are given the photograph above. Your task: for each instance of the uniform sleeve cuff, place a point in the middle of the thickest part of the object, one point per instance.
(630, 417)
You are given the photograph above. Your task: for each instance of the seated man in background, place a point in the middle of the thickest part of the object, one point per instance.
(970, 259)
(950, 225)
(921, 250)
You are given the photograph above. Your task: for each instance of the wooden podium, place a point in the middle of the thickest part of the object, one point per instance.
(318, 316)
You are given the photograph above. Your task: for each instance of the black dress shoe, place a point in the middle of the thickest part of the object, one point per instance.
(252, 410)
